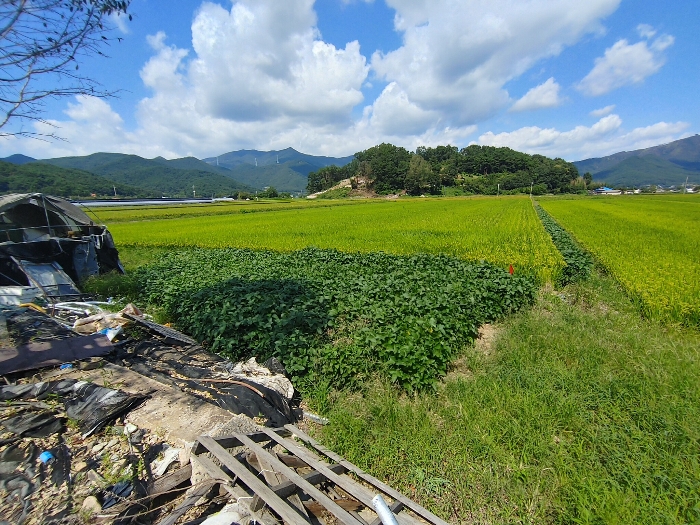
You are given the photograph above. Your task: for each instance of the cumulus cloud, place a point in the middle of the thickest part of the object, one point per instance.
(259, 75)
(602, 138)
(624, 63)
(457, 56)
(545, 95)
(602, 112)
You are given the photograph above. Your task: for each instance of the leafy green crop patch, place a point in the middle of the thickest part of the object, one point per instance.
(334, 318)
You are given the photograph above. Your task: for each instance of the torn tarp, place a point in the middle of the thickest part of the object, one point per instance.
(94, 406)
(38, 228)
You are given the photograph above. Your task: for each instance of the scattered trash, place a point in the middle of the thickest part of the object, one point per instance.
(49, 244)
(36, 425)
(31, 356)
(92, 405)
(66, 366)
(46, 457)
(160, 467)
(116, 493)
(315, 418)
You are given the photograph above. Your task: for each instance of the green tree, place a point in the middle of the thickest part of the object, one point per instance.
(420, 178)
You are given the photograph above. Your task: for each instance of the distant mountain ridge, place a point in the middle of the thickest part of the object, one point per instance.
(286, 170)
(160, 177)
(666, 164)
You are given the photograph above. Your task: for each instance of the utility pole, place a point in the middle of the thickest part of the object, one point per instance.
(115, 190)
(499, 190)
(531, 184)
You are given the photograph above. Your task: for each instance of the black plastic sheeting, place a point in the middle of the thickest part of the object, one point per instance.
(240, 396)
(34, 425)
(94, 406)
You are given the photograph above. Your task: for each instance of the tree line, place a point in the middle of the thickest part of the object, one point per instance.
(475, 169)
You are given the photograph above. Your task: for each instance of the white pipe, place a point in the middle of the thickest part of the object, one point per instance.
(383, 511)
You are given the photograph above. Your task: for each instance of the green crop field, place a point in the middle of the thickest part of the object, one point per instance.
(501, 231)
(650, 244)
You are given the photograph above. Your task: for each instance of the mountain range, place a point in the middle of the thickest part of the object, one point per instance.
(287, 170)
(668, 165)
(229, 173)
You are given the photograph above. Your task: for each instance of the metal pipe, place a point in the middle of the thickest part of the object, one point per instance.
(383, 511)
(46, 213)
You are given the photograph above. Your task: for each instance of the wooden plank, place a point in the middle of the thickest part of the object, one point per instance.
(382, 487)
(171, 481)
(229, 486)
(286, 488)
(344, 482)
(233, 441)
(188, 503)
(274, 479)
(285, 511)
(291, 475)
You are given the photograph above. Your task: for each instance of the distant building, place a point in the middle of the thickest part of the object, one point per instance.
(607, 191)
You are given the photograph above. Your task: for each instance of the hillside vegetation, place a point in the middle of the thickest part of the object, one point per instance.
(475, 169)
(667, 164)
(158, 177)
(36, 177)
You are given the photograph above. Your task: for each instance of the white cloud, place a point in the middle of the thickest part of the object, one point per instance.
(626, 63)
(121, 21)
(259, 75)
(646, 31)
(457, 56)
(602, 112)
(603, 138)
(545, 95)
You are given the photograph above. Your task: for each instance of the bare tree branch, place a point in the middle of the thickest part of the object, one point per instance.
(41, 42)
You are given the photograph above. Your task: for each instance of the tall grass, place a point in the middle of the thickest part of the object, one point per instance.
(581, 413)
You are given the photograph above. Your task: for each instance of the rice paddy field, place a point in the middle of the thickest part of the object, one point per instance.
(650, 244)
(502, 231)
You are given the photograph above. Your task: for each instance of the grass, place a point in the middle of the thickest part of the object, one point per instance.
(650, 244)
(581, 413)
(501, 231)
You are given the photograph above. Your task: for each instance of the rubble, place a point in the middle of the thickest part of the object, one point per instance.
(149, 427)
(91, 433)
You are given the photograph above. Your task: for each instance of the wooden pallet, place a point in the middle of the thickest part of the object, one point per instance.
(299, 481)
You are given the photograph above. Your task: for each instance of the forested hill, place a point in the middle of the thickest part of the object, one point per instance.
(158, 177)
(475, 169)
(44, 178)
(667, 164)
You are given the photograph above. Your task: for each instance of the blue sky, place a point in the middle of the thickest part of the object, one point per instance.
(332, 77)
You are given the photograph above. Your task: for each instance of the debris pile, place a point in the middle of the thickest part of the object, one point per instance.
(89, 421)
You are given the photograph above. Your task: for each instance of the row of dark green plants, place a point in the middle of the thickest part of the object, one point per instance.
(579, 263)
(477, 169)
(333, 318)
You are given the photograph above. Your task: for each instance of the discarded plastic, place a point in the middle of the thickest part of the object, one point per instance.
(383, 511)
(315, 418)
(46, 457)
(111, 333)
(66, 366)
